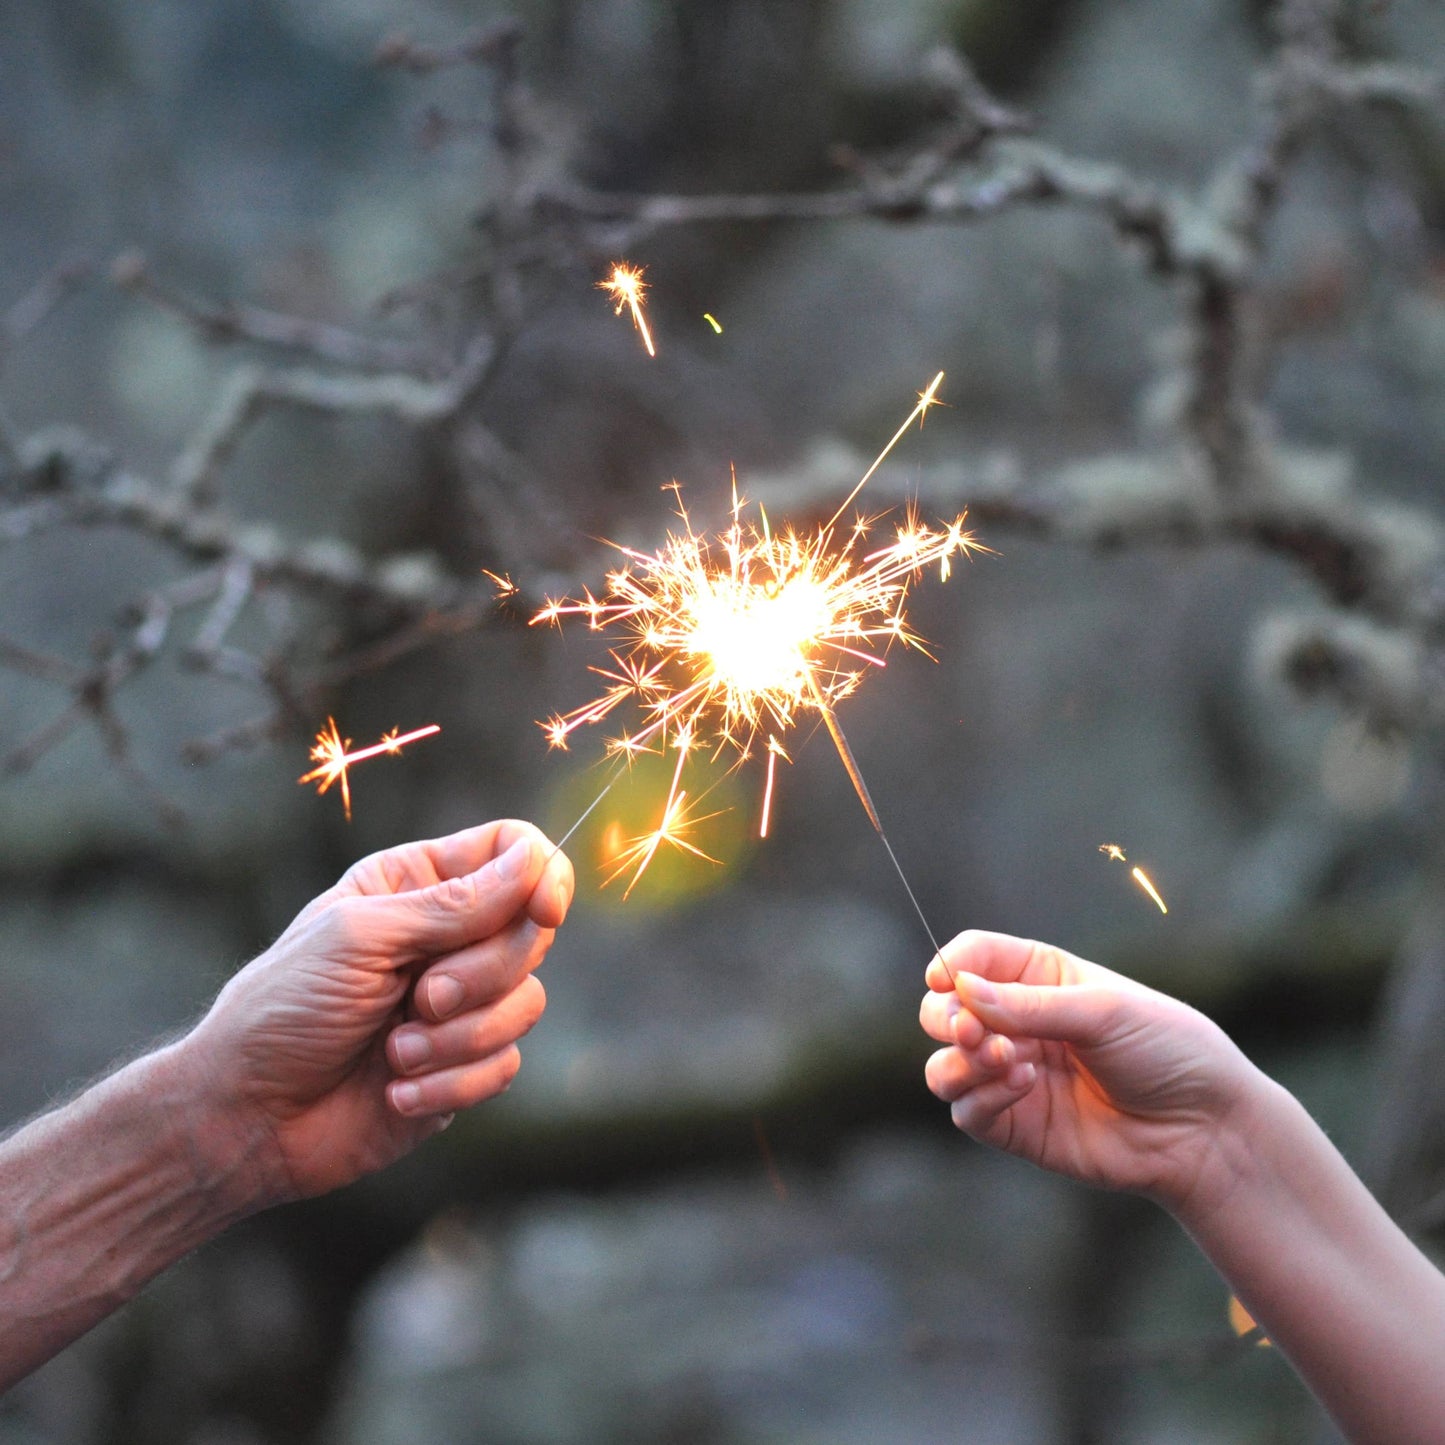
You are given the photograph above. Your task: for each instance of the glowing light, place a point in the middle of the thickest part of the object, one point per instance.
(330, 752)
(1115, 854)
(712, 321)
(626, 285)
(1142, 879)
(731, 638)
(1243, 1323)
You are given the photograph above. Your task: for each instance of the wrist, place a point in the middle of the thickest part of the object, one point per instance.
(1235, 1151)
(231, 1149)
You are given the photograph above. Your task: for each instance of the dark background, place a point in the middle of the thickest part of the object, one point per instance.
(719, 1204)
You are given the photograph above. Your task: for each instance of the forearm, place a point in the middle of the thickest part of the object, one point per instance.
(102, 1194)
(1356, 1307)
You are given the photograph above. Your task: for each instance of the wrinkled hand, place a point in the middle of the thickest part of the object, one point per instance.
(1079, 1069)
(393, 1000)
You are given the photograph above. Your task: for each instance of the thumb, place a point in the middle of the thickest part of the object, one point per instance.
(1082, 1014)
(454, 912)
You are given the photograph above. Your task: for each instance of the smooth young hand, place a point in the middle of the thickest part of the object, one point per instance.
(1079, 1069)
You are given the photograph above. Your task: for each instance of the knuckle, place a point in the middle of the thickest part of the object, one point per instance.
(462, 894)
(341, 928)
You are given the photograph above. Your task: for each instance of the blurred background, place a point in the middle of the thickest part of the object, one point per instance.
(719, 1204)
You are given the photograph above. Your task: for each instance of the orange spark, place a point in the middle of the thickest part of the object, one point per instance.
(738, 634)
(642, 849)
(626, 285)
(330, 752)
(504, 584)
(1115, 854)
(775, 751)
(1142, 879)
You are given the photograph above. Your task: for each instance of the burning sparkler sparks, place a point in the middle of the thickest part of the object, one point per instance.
(730, 640)
(626, 286)
(330, 752)
(1115, 854)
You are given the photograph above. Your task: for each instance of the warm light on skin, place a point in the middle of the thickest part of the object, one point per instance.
(730, 636)
(626, 285)
(330, 752)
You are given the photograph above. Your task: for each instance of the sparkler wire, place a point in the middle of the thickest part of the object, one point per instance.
(586, 813)
(855, 775)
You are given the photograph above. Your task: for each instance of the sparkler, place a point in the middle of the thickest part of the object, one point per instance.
(730, 640)
(626, 285)
(1115, 854)
(330, 752)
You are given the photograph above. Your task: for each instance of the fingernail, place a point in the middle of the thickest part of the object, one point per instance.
(406, 1098)
(513, 862)
(412, 1050)
(444, 994)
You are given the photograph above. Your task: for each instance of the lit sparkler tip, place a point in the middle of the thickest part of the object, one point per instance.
(733, 636)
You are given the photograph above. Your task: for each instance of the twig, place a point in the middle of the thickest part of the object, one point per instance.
(250, 392)
(222, 324)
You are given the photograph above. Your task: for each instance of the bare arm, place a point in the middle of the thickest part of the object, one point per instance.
(1335, 1283)
(1091, 1074)
(99, 1196)
(393, 1000)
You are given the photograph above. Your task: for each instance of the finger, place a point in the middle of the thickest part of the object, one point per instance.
(1000, 957)
(472, 976)
(1081, 1014)
(420, 864)
(449, 1090)
(936, 1014)
(552, 896)
(944, 1018)
(452, 913)
(415, 1049)
(978, 1112)
(949, 1073)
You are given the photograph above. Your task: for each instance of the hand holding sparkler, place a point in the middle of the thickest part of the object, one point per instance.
(1076, 1068)
(1086, 1072)
(394, 999)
